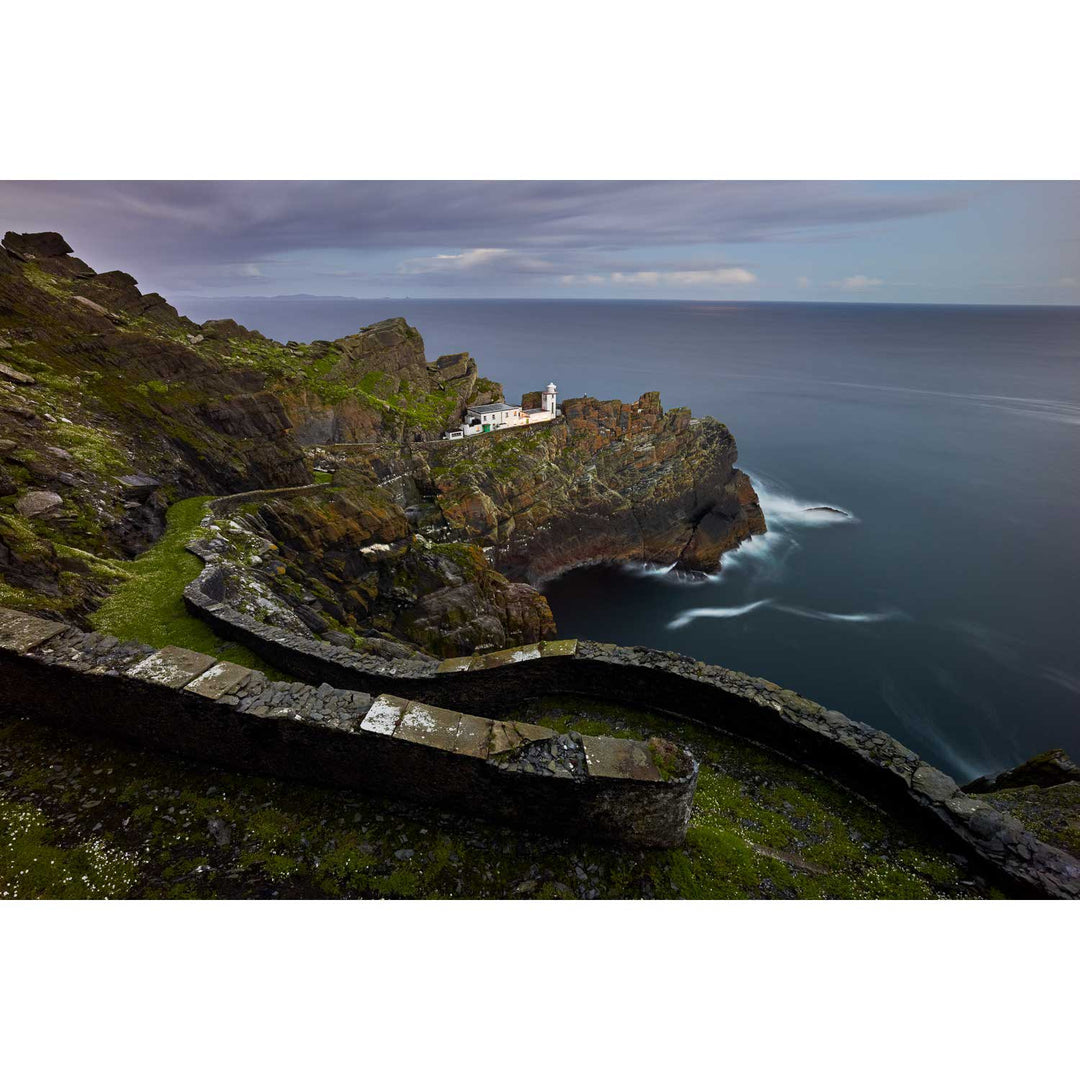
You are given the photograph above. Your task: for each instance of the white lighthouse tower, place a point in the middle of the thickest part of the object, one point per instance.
(547, 399)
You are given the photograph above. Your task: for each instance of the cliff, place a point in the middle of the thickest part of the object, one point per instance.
(108, 412)
(376, 385)
(344, 564)
(609, 481)
(114, 406)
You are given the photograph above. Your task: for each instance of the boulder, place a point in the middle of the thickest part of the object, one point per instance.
(38, 503)
(42, 245)
(226, 329)
(14, 376)
(138, 486)
(116, 279)
(97, 309)
(455, 366)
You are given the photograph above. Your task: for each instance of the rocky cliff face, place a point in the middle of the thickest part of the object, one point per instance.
(346, 562)
(376, 385)
(108, 411)
(609, 481)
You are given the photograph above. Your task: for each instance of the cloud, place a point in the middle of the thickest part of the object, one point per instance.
(500, 238)
(858, 282)
(722, 275)
(174, 221)
(483, 260)
(463, 260)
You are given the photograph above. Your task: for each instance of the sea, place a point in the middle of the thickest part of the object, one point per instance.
(941, 606)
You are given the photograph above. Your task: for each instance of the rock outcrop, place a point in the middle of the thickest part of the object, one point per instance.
(609, 481)
(1044, 770)
(1042, 792)
(348, 560)
(377, 386)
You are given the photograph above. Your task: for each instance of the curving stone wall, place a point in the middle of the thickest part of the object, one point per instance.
(189, 703)
(864, 759)
(224, 504)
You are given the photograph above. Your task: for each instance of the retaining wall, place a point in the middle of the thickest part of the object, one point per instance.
(224, 504)
(867, 761)
(606, 789)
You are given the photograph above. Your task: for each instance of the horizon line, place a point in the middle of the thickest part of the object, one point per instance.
(619, 300)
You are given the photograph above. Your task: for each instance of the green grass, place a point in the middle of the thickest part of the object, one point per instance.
(32, 866)
(149, 605)
(92, 448)
(762, 826)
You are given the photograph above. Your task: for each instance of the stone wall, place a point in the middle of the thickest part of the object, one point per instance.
(225, 504)
(865, 760)
(612, 790)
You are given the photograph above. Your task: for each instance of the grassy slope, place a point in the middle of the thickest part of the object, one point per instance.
(148, 606)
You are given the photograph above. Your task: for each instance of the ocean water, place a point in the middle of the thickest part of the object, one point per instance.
(944, 608)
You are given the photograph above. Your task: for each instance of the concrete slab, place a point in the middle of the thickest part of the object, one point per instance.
(429, 726)
(384, 715)
(455, 663)
(221, 679)
(20, 632)
(507, 736)
(172, 667)
(565, 647)
(505, 656)
(619, 759)
(473, 736)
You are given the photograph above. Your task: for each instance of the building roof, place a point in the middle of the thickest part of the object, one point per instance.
(494, 407)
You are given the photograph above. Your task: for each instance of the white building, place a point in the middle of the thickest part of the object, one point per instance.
(481, 418)
(498, 415)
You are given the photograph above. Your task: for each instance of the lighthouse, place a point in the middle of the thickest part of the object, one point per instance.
(547, 399)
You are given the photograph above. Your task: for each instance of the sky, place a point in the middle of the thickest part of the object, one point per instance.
(844, 241)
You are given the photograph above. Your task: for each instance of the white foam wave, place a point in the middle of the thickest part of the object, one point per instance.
(688, 617)
(639, 569)
(889, 615)
(781, 508)
(668, 574)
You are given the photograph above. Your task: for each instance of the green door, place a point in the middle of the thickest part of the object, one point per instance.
(487, 427)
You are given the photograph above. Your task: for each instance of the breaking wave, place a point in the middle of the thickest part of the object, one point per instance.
(687, 617)
(669, 574)
(783, 509)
